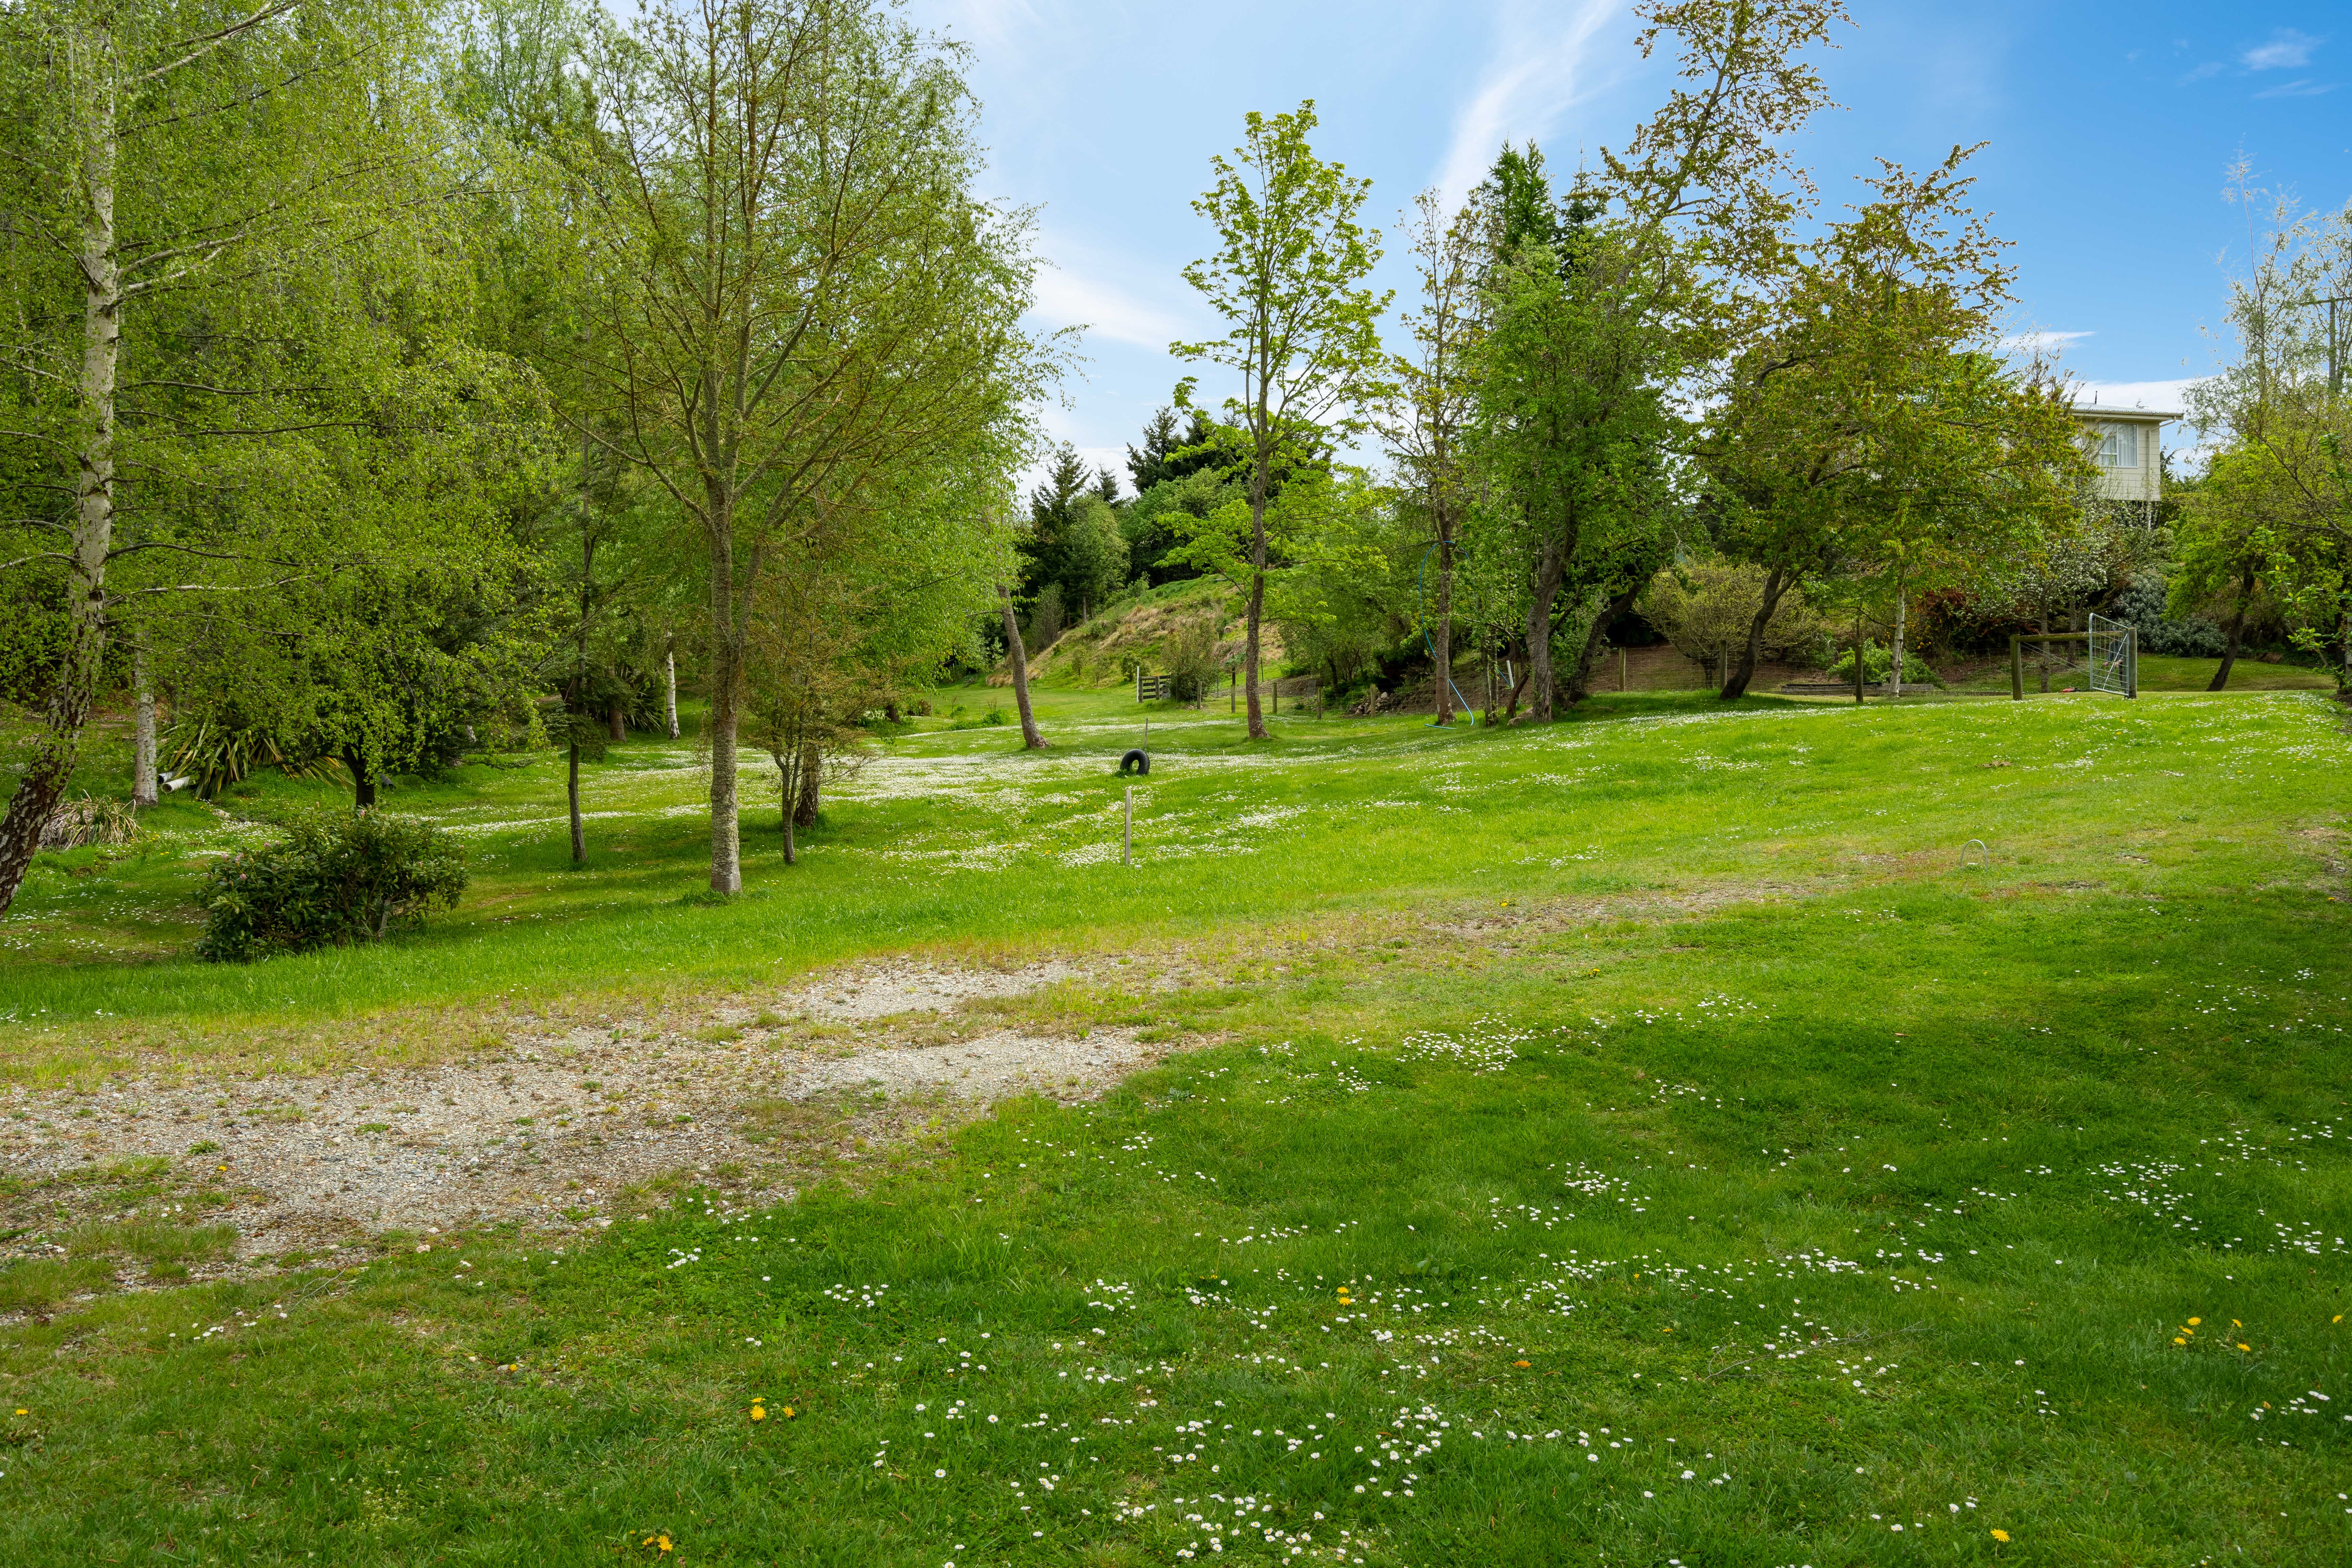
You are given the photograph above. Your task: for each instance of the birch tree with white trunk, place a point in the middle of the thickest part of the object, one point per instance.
(166, 168)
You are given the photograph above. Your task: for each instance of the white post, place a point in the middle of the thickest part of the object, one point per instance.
(1127, 834)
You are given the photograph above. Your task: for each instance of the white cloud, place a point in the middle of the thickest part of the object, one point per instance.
(2301, 86)
(1539, 70)
(2200, 72)
(2038, 342)
(1105, 310)
(2287, 51)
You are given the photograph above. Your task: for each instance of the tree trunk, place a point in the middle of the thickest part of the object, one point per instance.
(1442, 635)
(1894, 671)
(58, 746)
(573, 716)
(1776, 584)
(726, 675)
(1019, 657)
(2343, 650)
(1550, 567)
(362, 781)
(2237, 632)
(142, 705)
(1579, 682)
(804, 804)
(616, 720)
(1256, 613)
(786, 779)
(669, 685)
(1511, 703)
(572, 793)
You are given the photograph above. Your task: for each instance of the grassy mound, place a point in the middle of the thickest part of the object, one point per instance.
(1107, 648)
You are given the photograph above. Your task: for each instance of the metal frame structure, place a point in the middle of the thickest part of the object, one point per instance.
(2114, 656)
(2125, 665)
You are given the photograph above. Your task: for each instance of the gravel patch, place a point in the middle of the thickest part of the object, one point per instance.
(552, 1130)
(885, 990)
(990, 1068)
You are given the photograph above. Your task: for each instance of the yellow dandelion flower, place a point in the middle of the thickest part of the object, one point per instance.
(2001, 1536)
(2246, 1347)
(662, 1541)
(758, 1414)
(1522, 1364)
(2194, 1322)
(2337, 1318)
(2235, 1324)
(2177, 1340)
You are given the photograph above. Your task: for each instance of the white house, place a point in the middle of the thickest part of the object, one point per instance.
(2124, 442)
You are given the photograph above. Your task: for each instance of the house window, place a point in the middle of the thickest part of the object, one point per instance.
(2119, 447)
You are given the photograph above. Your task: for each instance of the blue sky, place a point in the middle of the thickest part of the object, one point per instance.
(2111, 131)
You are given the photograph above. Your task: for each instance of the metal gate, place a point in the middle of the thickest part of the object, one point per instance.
(2114, 656)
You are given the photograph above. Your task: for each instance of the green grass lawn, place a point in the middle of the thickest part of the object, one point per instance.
(1793, 1134)
(2160, 672)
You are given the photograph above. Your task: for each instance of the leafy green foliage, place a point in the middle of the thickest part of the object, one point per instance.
(1878, 662)
(1302, 330)
(1075, 543)
(335, 878)
(213, 755)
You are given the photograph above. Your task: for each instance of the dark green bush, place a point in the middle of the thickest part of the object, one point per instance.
(336, 877)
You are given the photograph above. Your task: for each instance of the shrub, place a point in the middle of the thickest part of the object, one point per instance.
(92, 819)
(2185, 637)
(1876, 662)
(335, 878)
(1192, 666)
(1705, 607)
(214, 756)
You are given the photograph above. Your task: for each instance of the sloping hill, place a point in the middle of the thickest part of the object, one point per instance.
(1137, 632)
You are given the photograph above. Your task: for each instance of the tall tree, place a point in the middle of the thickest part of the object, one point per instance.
(1169, 453)
(1428, 425)
(1633, 285)
(804, 293)
(1302, 330)
(1074, 543)
(1871, 431)
(2282, 484)
(205, 193)
(1573, 419)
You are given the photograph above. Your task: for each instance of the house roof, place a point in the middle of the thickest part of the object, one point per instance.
(2104, 411)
